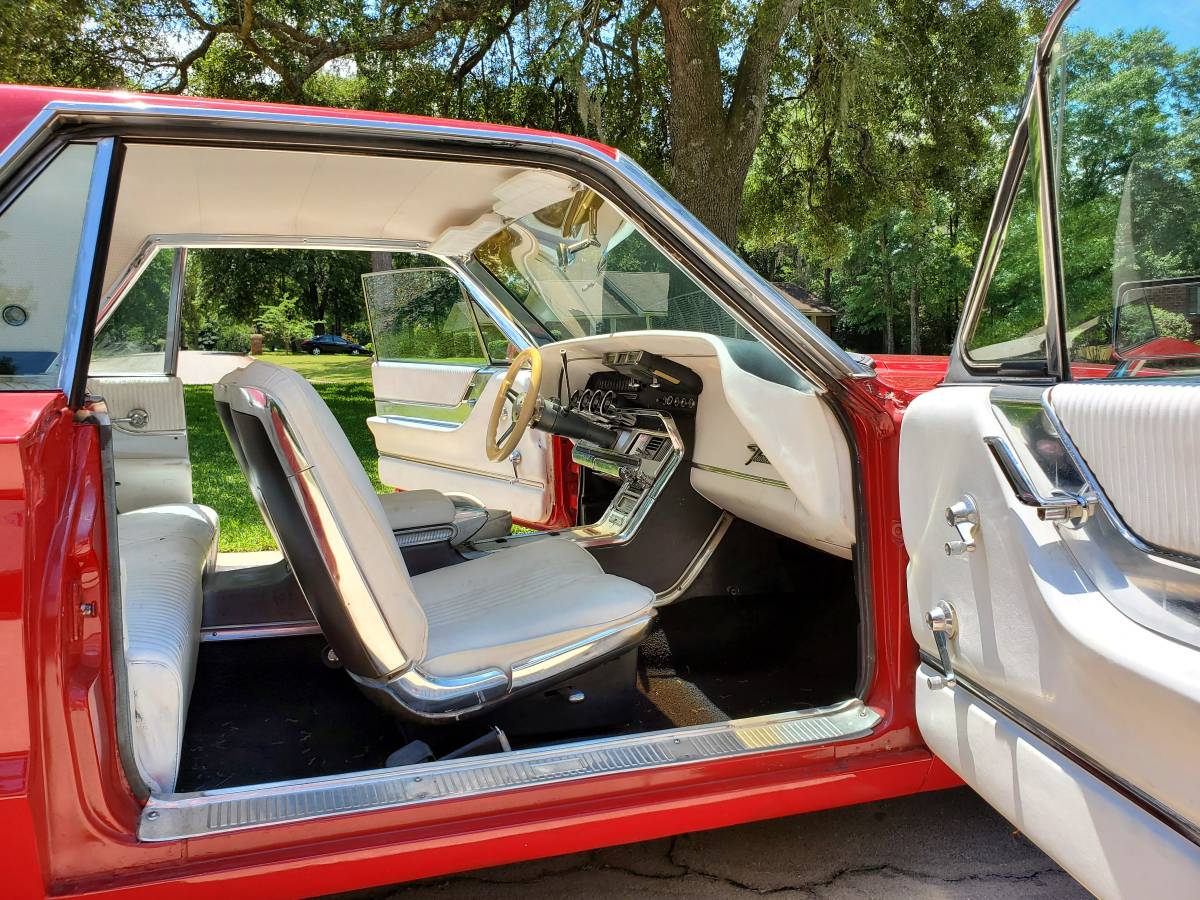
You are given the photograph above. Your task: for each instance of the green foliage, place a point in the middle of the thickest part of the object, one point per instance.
(281, 324)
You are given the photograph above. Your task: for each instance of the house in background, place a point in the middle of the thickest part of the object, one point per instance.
(817, 312)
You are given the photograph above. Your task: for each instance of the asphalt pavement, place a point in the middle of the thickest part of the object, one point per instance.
(946, 845)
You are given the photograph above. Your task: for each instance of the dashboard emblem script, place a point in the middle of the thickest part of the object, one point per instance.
(756, 455)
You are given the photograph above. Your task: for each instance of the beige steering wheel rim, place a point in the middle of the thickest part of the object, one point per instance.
(497, 451)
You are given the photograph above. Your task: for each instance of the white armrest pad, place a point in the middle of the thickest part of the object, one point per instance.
(417, 509)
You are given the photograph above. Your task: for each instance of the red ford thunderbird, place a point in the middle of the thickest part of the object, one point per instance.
(762, 576)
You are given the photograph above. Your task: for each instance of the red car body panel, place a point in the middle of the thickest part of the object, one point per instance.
(68, 818)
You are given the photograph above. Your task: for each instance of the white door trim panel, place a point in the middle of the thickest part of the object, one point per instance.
(1106, 841)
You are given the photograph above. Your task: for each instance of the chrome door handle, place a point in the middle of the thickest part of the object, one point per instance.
(1060, 506)
(137, 418)
(942, 621)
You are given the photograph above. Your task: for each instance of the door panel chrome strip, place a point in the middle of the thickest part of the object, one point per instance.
(1135, 795)
(219, 811)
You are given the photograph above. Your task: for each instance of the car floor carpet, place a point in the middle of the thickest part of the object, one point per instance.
(270, 710)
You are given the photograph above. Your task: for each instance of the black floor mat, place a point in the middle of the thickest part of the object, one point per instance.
(270, 710)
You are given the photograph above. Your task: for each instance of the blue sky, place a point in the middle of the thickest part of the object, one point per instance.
(1180, 19)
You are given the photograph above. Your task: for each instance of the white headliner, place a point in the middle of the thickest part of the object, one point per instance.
(172, 190)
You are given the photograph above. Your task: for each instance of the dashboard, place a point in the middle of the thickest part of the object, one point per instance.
(753, 436)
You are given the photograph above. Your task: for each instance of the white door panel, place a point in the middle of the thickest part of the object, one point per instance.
(441, 446)
(1142, 442)
(152, 464)
(1033, 629)
(428, 383)
(1111, 844)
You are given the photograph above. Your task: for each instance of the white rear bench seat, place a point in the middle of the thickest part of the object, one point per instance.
(164, 552)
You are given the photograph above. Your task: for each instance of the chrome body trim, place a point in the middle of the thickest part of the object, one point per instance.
(223, 810)
(451, 467)
(699, 561)
(745, 476)
(1174, 821)
(174, 312)
(83, 287)
(258, 632)
(1158, 589)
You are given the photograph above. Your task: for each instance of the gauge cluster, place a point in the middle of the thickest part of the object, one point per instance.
(638, 380)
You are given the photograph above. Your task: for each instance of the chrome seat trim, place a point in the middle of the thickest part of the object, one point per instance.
(184, 816)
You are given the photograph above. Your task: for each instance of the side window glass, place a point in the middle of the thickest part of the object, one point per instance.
(40, 232)
(423, 315)
(1125, 102)
(1011, 327)
(133, 339)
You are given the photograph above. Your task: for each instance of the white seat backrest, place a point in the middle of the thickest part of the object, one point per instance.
(341, 507)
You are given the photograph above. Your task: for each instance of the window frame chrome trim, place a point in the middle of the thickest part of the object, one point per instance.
(1034, 110)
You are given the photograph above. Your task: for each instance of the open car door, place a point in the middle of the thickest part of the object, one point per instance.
(439, 361)
(1050, 500)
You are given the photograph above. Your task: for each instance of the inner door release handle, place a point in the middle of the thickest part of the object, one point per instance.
(1060, 506)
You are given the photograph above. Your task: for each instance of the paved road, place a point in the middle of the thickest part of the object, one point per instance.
(947, 846)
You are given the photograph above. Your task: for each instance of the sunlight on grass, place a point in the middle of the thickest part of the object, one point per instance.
(217, 481)
(326, 368)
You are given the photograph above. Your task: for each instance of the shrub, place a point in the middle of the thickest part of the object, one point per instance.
(234, 338)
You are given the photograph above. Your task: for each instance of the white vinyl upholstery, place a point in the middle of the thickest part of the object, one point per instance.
(164, 551)
(491, 613)
(509, 606)
(417, 509)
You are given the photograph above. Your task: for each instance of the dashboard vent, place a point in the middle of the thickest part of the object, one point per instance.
(654, 447)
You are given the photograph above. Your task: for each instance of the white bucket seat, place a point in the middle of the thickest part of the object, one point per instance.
(441, 645)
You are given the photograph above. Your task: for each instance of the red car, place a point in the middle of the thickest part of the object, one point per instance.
(766, 576)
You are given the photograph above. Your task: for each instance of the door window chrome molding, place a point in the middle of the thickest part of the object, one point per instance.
(1156, 588)
(89, 270)
(1034, 116)
(749, 298)
(174, 311)
(218, 811)
(1160, 811)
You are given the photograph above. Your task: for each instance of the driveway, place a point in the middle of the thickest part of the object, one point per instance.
(208, 366)
(945, 845)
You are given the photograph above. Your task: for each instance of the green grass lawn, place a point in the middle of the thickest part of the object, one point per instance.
(344, 382)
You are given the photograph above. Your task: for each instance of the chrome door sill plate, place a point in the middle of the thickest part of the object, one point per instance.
(181, 816)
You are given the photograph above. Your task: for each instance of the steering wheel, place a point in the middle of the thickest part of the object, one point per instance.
(500, 447)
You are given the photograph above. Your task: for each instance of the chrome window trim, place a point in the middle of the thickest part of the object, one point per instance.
(175, 312)
(819, 358)
(218, 811)
(1035, 109)
(85, 285)
(1177, 823)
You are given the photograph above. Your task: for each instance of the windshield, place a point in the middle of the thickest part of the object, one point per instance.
(581, 268)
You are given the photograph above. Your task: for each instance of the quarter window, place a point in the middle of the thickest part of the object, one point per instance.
(40, 233)
(133, 339)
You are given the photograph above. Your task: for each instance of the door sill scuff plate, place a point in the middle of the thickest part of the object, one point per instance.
(180, 816)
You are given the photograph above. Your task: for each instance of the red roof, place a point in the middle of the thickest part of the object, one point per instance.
(19, 104)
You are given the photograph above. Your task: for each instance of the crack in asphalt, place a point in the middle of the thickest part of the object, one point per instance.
(810, 887)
